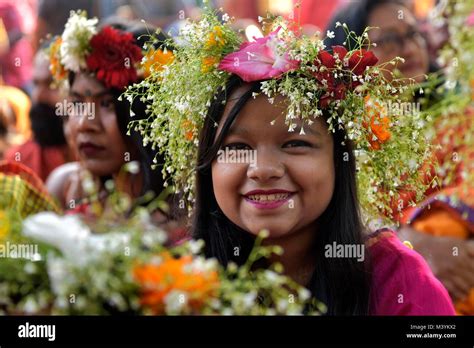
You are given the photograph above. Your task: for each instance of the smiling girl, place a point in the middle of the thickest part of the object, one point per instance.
(314, 123)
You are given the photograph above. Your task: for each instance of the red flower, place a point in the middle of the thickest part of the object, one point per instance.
(113, 56)
(327, 64)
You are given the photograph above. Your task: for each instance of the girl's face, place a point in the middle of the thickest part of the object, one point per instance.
(93, 125)
(292, 180)
(398, 35)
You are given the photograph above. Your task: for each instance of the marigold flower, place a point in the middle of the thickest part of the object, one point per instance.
(155, 60)
(208, 63)
(174, 274)
(379, 123)
(216, 38)
(189, 128)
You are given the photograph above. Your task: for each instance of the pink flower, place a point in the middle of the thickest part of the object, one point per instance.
(470, 20)
(262, 59)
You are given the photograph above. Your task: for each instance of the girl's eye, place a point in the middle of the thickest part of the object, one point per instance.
(107, 103)
(297, 143)
(237, 146)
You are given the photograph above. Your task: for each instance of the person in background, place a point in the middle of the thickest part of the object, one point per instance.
(18, 21)
(433, 232)
(47, 148)
(14, 108)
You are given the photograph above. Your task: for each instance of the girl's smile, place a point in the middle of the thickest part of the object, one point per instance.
(268, 199)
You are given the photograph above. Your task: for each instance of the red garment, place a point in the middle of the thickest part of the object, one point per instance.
(41, 160)
(17, 64)
(316, 12)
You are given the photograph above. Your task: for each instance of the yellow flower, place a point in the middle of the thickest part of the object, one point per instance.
(57, 69)
(5, 225)
(215, 39)
(155, 60)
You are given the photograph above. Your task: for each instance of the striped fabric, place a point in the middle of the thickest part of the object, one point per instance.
(22, 190)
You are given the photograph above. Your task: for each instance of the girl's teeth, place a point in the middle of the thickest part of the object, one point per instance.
(272, 197)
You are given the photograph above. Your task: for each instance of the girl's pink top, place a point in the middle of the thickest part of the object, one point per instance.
(402, 282)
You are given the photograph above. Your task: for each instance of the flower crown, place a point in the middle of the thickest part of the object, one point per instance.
(344, 83)
(111, 54)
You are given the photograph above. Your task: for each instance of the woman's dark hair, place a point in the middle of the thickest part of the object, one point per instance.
(356, 16)
(341, 283)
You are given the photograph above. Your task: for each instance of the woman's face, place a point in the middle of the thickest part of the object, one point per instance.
(291, 182)
(93, 125)
(398, 35)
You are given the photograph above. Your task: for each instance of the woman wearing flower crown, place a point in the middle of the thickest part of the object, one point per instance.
(98, 63)
(276, 131)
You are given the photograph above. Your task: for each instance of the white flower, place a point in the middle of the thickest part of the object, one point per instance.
(330, 34)
(249, 299)
(66, 233)
(30, 306)
(282, 304)
(73, 239)
(75, 41)
(132, 167)
(272, 276)
(225, 17)
(304, 294)
(175, 301)
(195, 246)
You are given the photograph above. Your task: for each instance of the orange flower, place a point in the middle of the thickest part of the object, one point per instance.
(215, 39)
(208, 63)
(157, 281)
(379, 123)
(56, 68)
(155, 60)
(188, 127)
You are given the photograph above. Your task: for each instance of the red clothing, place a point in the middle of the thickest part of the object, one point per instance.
(316, 12)
(41, 160)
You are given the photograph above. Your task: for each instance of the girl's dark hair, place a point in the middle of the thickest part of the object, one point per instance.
(341, 283)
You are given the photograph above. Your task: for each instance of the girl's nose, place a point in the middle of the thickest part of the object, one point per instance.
(267, 166)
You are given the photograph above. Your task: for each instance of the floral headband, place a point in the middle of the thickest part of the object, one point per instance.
(111, 54)
(344, 83)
